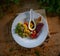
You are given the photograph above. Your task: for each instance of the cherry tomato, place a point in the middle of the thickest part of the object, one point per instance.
(34, 32)
(33, 35)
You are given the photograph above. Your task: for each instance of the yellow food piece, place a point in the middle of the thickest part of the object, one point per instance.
(26, 30)
(31, 25)
(26, 35)
(25, 26)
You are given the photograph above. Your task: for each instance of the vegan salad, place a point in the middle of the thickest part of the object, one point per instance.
(24, 32)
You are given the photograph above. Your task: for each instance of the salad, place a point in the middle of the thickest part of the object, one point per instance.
(23, 31)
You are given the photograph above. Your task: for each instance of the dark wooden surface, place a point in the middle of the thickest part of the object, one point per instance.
(8, 47)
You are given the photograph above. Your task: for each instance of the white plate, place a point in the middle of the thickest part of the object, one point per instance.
(25, 42)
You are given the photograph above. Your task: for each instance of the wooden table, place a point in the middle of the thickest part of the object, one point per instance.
(51, 46)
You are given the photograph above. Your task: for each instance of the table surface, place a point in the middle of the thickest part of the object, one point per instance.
(51, 46)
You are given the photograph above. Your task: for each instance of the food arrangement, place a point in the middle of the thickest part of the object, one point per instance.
(23, 30)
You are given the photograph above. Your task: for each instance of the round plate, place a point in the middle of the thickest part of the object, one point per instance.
(25, 42)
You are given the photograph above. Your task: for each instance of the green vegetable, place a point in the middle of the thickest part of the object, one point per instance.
(51, 6)
(19, 29)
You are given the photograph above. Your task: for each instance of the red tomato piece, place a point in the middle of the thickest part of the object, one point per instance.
(26, 23)
(33, 35)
